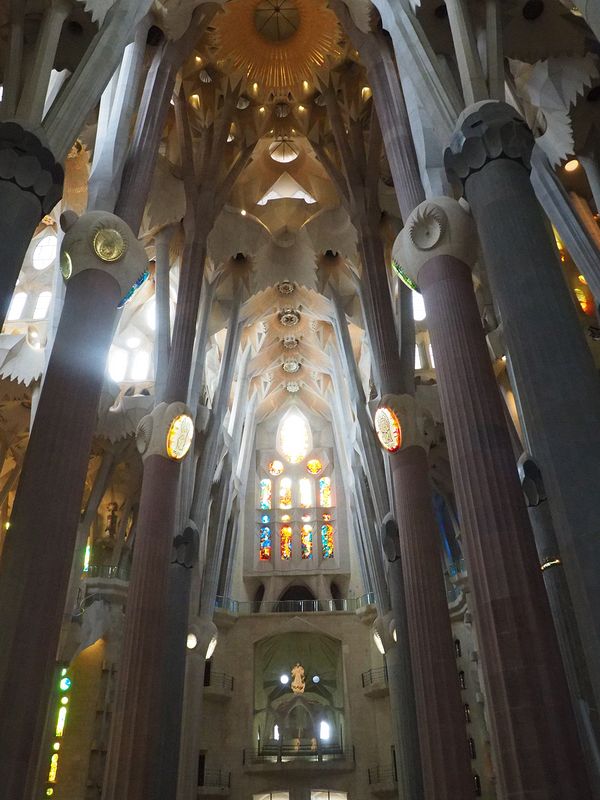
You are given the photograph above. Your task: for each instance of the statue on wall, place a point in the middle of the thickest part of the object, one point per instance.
(299, 679)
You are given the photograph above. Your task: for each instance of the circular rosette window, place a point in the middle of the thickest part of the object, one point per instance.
(179, 436)
(388, 429)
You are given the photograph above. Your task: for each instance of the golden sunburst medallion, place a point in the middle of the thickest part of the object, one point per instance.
(278, 43)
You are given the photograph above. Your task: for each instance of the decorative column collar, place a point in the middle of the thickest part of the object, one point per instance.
(27, 162)
(486, 131)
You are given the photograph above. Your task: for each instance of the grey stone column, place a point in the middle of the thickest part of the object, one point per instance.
(532, 724)
(555, 378)
(562, 611)
(30, 186)
(36, 560)
(400, 676)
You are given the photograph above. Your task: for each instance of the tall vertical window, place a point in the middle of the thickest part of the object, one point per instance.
(325, 492)
(306, 494)
(285, 542)
(265, 542)
(306, 540)
(285, 493)
(264, 491)
(294, 437)
(327, 540)
(17, 304)
(42, 305)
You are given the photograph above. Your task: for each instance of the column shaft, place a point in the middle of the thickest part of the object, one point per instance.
(444, 752)
(555, 378)
(537, 751)
(36, 559)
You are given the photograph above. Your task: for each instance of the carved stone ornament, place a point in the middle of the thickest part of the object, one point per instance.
(289, 317)
(291, 365)
(26, 162)
(167, 431)
(290, 342)
(292, 387)
(487, 131)
(437, 227)
(416, 423)
(285, 287)
(101, 240)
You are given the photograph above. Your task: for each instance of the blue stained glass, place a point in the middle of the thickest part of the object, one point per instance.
(140, 282)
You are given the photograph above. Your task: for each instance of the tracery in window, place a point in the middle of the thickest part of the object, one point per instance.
(45, 252)
(264, 490)
(285, 541)
(275, 468)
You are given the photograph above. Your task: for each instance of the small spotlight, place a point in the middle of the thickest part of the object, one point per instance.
(572, 165)
(243, 212)
(192, 641)
(316, 679)
(284, 679)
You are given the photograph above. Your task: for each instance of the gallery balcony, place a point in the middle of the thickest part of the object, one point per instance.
(218, 685)
(375, 682)
(243, 607)
(299, 757)
(215, 783)
(383, 781)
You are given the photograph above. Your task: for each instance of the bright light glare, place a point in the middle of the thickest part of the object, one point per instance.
(572, 165)
(42, 305)
(378, 642)
(140, 366)
(324, 731)
(418, 363)
(418, 307)
(133, 342)
(192, 641)
(211, 648)
(45, 252)
(285, 679)
(276, 732)
(151, 314)
(17, 304)
(117, 364)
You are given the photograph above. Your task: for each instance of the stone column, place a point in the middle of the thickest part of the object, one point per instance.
(555, 379)
(101, 258)
(162, 343)
(532, 723)
(30, 186)
(445, 757)
(164, 438)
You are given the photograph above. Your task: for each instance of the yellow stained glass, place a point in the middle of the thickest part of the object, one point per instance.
(285, 493)
(306, 541)
(325, 492)
(388, 430)
(285, 542)
(60, 721)
(53, 768)
(314, 466)
(179, 436)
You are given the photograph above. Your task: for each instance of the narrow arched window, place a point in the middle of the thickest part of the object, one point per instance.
(472, 750)
(461, 679)
(467, 710)
(457, 648)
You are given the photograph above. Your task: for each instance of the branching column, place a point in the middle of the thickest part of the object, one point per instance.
(105, 259)
(555, 378)
(532, 724)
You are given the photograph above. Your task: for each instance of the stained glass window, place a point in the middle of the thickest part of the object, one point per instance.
(327, 540)
(306, 540)
(285, 493)
(306, 493)
(325, 492)
(285, 541)
(275, 468)
(314, 466)
(264, 489)
(265, 543)
(265, 519)
(294, 438)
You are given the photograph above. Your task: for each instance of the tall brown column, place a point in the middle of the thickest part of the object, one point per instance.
(36, 559)
(443, 741)
(538, 754)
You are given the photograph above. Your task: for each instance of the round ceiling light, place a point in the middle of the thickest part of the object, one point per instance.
(283, 151)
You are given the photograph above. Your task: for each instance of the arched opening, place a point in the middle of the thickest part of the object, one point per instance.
(258, 598)
(296, 598)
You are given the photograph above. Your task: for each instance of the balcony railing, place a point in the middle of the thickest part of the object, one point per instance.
(379, 774)
(243, 607)
(374, 676)
(281, 753)
(108, 572)
(217, 778)
(219, 680)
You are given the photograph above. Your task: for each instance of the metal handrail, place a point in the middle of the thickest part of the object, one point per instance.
(377, 675)
(379, 774)
(216, 777)
(280, 752)
(242, 607)
(219, 680)
(108, 571)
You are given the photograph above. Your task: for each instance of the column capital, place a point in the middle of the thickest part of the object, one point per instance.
(437, 227)
(400, 423)
(167, 431)
(487, 131)
(25, 159)
(103, 241)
